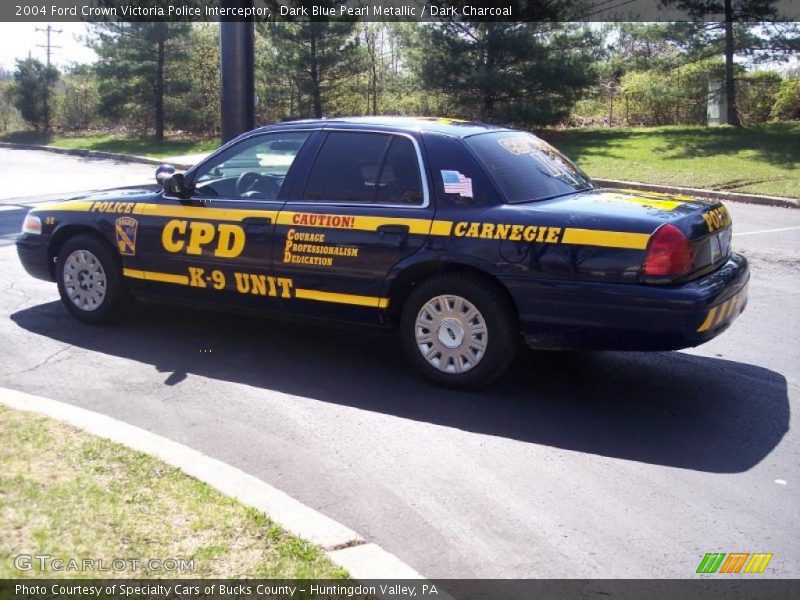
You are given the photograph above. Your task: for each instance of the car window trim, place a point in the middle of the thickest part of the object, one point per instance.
(195, 168)
(422, 172)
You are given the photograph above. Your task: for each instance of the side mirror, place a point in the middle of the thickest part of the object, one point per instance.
(163, 172)
(175, 185)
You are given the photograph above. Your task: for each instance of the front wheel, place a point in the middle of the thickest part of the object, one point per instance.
(459, 330)
(90, 280)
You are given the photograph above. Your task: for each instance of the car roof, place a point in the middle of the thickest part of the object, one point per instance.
(451, 127)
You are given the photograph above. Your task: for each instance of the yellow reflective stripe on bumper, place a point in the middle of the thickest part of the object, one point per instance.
(718, 314)
(608, 239)
(709, 320)
(341, 298)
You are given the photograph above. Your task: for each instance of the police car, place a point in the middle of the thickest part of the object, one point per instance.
(468, 238)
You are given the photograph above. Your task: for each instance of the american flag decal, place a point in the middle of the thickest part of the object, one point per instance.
(456, 183)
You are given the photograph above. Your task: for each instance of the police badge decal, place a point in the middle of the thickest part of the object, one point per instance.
(125, 228)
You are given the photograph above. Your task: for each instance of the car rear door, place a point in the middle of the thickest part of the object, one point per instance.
(363, 207)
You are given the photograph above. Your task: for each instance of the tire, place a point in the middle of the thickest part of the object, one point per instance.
(470, 309)
(90, 282)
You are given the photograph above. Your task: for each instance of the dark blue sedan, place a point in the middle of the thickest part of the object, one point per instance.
(467, 238)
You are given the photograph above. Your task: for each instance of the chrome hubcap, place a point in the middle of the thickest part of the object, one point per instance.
(84, 280)
(451, 334)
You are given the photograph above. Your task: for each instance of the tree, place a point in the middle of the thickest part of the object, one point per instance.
(32, 82)
(195, 103)
(320, 58)
(722, 36)
(372, 36)
(77, 102)
(133, 59)
(523, 73)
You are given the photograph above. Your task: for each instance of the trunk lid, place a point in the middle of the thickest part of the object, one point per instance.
(706, 223)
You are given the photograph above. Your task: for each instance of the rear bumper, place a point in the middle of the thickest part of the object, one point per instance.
(34, 256)
(613, 316)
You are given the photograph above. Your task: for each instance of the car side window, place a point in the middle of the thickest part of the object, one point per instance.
(253, 169)
(399, 181)
(446, 155)
(368, 168)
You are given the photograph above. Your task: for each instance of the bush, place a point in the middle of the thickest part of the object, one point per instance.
(10, 119)
(671, 97)
(77, 102)
(755, 96)
(787, 101)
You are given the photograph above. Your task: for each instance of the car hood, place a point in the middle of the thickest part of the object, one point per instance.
(139, 193)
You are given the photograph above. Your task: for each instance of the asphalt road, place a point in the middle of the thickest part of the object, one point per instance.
(611, 465)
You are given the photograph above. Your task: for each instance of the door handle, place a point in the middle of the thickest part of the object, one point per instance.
(256, 224)
(395, 236)
(393, 229)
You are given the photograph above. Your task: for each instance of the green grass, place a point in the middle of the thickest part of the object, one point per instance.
(68, 494)
(108, 142)
(761, 160)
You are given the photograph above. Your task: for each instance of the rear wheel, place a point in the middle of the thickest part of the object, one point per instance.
(459, 330)
(90, 280)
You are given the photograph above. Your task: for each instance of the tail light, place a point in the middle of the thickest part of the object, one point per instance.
(669, 253)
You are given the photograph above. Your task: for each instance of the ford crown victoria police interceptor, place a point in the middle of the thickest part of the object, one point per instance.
(466, 237)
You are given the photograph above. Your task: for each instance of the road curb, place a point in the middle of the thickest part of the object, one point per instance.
(716, 195)
(343, 546)
(91, 154)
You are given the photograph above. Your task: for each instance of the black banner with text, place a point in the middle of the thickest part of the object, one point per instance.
(711, 588)
(375, 10)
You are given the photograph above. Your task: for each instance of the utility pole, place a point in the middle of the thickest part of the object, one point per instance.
(237, 72)
(48, 30)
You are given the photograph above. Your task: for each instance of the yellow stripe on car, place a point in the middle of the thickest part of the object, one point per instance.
(663, 204)
(202, 212)
(441, 228)
(416, 226)
(345, 221)
(709, 320)
(154, 276)
(69, 205)
(718, 314)
(608, 239)
(372, 301)
(299, 293)
(667, 196)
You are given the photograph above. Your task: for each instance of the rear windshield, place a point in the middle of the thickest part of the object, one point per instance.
(526, 168)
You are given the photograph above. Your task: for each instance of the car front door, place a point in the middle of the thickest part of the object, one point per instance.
(216, 246)
(362, 208)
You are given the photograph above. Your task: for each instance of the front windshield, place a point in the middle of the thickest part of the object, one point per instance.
(526, 168)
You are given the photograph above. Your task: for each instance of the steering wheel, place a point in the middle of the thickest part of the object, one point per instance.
(254, 185)
(246, 182)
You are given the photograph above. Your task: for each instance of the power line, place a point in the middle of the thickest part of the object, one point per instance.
(48, 30)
